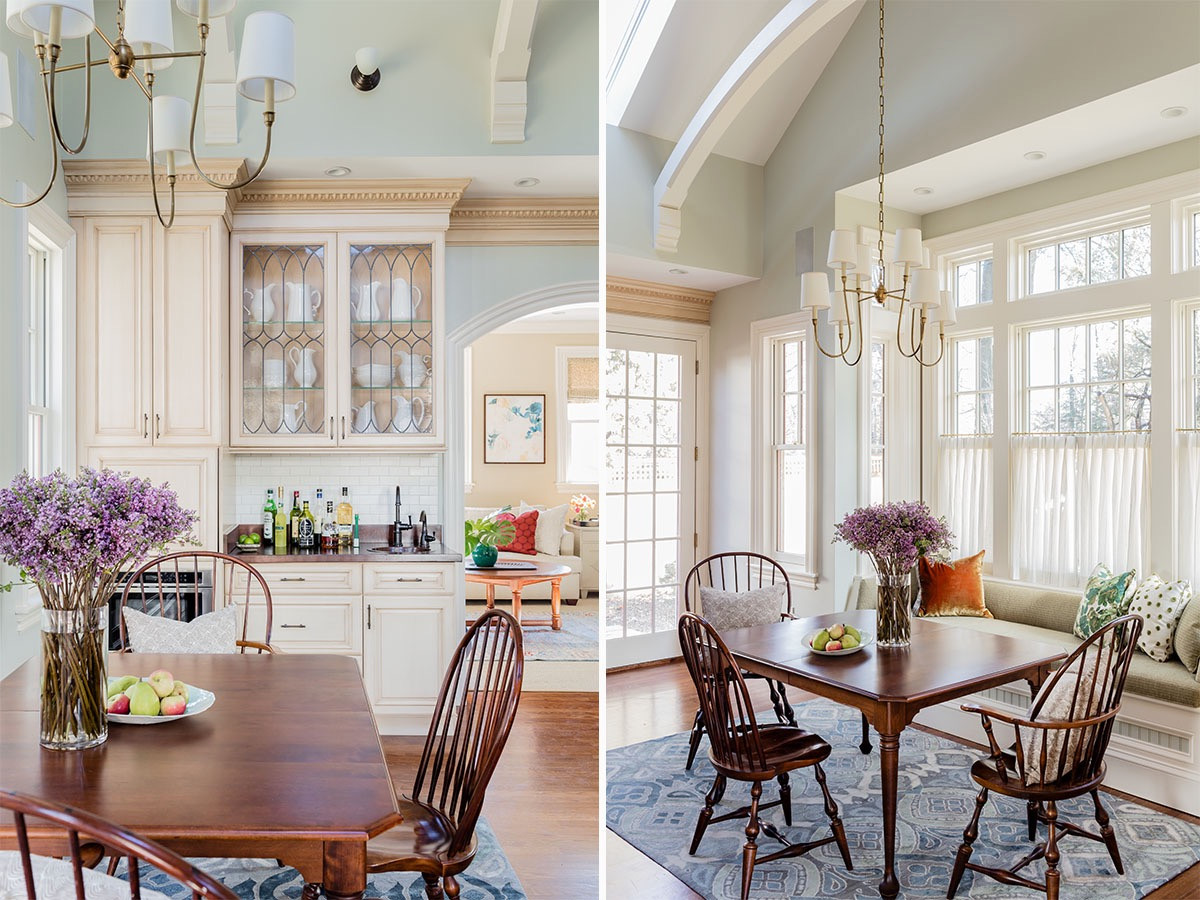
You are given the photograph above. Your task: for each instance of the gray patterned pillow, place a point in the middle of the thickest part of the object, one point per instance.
(1160, 604)
(741, 609)
(214, 632)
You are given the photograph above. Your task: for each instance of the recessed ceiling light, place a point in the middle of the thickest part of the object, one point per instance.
(676, 271)
(527, 181)
(337, 171)
(923, 191)
(1035, 155)
(1173, 112)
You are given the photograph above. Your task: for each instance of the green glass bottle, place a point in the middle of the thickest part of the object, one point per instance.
(281, 525)
(268, 518)
(294, 520)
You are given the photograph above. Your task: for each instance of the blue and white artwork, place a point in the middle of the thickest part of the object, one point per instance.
(514, 428)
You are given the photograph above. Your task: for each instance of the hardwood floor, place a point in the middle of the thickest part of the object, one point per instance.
(641, 704)
(543, 801)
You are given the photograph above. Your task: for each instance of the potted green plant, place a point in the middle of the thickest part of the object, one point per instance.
(485, 534)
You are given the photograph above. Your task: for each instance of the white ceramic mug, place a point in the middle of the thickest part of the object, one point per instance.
(304, 365)
(274, 373)
(301, 307)
(293, 415)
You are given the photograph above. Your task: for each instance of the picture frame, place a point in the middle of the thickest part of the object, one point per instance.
(514, 429)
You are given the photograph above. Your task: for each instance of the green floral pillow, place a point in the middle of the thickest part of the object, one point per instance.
(1105, 597)
(1160, 604)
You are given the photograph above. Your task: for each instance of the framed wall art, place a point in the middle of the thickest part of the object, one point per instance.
(514, 428)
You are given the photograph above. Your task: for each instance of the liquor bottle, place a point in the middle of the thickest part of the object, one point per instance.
(268, 518)
(281, 525)
(318, 512)
(294, 520)
(329, 531)
(345, 519)
(306, 528)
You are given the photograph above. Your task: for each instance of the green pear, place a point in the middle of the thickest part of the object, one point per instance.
(118, 685)
(821, 639)
(849, 641)
(143, 701)
(854, 633)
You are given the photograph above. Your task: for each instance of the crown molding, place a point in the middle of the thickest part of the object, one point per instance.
(525, 220)
(659, 301)
(333, 194)
(121, 187)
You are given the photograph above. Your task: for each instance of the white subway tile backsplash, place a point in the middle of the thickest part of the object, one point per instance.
(372, 479)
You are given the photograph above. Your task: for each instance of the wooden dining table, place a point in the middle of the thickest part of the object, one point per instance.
(891, 685)
(286, 764)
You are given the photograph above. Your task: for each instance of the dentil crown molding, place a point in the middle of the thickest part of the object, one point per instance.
(525, 220)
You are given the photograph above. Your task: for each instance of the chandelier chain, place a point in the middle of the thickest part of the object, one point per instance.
(881, 142)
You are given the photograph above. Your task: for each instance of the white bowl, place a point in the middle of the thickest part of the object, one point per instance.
(867, 639)
(198, 701)
(373, 375)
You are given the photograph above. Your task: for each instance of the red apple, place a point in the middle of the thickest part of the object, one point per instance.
(119, 704)
(833, 645)
(162, 681)
(173, 705)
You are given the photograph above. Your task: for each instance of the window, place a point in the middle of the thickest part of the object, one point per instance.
(790, 470)
(1112, 255)
(37, 410)
(578, 400)
(1192, 330)
(964, 450)
(1088, 377)
(969, 406)
(1196, 239)
(876, 425)
(973, 282)
(1188, 453)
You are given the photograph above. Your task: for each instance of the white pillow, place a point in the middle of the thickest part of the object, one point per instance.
(551, 523)
(214, 632)
(54, 879)
(726, 610)
(1160, 604)
(1057, 708)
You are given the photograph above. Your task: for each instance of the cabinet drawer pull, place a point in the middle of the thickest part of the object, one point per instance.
(332, 430)
(368, 616)
(418, 579)
(293, 626)
(145, 425)
(157, 426)
(297, 578)
(343, 428)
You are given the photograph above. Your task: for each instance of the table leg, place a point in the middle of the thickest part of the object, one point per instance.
(345, 870)
(516, 600)
(556, 604)
(889, 769)
(490, 593)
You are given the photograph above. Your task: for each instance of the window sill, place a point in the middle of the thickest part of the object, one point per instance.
(570, 487)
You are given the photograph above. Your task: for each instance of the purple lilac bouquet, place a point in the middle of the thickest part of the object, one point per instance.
(894, 535)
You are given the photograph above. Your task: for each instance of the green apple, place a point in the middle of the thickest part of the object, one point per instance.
(143, 701)
(162, 681)
(117, 685)
(821, 639)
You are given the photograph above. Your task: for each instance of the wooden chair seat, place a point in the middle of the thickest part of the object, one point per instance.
(423, 842)
(985, 774)
(785, 747)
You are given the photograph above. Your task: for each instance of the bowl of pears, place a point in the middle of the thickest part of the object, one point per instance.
(838, 640)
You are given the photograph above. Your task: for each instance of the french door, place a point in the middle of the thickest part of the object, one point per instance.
(650, 515)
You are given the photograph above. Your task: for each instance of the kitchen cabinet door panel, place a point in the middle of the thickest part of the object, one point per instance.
(405, 653)
(300, 626)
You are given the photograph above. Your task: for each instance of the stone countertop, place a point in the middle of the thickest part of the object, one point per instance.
(373, 547)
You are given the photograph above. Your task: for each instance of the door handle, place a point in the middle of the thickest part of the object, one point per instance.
(368, 617)
(157, 426)
(145, 425)
(293, 626)
(343, 428)
(332, 430)
(297, 578)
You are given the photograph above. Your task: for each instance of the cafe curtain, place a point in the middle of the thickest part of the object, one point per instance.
(1188, 507)
(964, 491)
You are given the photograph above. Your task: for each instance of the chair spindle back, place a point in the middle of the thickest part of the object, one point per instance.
(736, 571)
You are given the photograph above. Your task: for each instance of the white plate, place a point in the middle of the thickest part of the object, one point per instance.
(867, 639)
(198, 701)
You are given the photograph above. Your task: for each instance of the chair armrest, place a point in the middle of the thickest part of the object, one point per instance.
(256, 645)
(566, 544)
(992, 714)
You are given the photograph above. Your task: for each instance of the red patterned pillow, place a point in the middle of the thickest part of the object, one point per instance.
(526, 525)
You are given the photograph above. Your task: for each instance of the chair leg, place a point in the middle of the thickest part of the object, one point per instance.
(1052, 875)
(716, 792)
(785, 797)
(964, 851)
(1106, 832)
(835, 822)
(865, 746)
(694, 740)
(750, 848)
(1032, 810)
(779, 701)
(312, 891)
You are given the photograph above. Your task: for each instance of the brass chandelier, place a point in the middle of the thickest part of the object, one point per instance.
(144, 39)
(928, 308)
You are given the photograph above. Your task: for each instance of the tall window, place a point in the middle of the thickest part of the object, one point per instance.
(964, 450)
(1188, 453)
(790, 489)
(970, 404)
(877, 424)
(1192, 327)
(579, 416)
(38, 420)
(1110, 255)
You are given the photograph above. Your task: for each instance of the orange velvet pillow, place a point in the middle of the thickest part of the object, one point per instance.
(952, 589)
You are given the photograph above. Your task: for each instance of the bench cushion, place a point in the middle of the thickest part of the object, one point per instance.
(1043, 607)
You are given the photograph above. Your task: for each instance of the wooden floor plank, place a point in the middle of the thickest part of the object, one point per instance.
(646, 703)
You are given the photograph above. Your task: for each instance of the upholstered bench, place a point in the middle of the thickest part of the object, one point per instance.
(1155, 749)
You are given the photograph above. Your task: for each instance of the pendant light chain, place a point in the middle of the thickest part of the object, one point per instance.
(881, 269)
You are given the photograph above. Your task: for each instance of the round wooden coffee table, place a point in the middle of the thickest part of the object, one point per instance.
(516, 580)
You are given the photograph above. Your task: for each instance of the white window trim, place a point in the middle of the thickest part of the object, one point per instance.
(562, 426)
(1184, 414)
(763, 334)
(1117, 222)
(945, 382)
(1183, 225)
(948, 263)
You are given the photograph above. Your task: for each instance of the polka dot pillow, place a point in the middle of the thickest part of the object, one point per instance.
(1160, 603)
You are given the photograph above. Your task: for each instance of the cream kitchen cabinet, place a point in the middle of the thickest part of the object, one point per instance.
(336, 339)
(406, 649)
(151, 369)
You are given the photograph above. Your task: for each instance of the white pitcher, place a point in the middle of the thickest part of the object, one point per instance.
(301, 307)
(406, 415)
(304, 365)
(293, 415)
(261, 305)
(366, 307)
(364, 418)
(405, 300)
(413, 370)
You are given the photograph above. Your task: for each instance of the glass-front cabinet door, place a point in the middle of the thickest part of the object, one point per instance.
(285, 347)
(390, 301)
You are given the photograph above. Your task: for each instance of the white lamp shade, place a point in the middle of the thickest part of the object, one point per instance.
(13, 18)
(814, 291)
(944, 313)
(838, 311)
(843, 249)
(923, 287)
(6, 100)
(268, 54)
(172, 126)
(366, 60)
(908, 246)
(867, 261)
(216, 8)
(148, 22)
(78, 17)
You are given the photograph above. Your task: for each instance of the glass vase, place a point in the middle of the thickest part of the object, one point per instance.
(892, 611)
(74, 678)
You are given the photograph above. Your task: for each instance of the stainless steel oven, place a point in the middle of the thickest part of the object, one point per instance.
(175, 595)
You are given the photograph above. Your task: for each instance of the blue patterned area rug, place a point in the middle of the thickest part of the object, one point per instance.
(490, 877)
(653, 803)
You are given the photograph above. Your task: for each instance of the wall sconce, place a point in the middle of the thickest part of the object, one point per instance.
(365, 74)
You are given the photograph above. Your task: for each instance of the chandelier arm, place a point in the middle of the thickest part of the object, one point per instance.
(83, 65)
(861, 337)
(166, 223)
(269, 118)
(53, 151)
(941, 351)
(51, 98)
(913, 343)
(817, 341)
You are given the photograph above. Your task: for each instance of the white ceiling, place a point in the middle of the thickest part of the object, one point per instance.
(659, 271)
(580, 318)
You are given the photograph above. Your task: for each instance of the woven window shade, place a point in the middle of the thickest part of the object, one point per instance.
(583, 379)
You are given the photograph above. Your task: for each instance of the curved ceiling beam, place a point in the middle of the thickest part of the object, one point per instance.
(782, 37)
